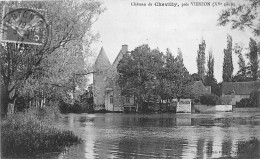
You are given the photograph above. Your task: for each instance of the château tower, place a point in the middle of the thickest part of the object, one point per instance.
(102, 70)
(107, 92)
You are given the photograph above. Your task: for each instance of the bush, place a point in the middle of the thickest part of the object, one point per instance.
(254, 97)
(24, 136)
(209, 99)
(77, 107)
(245, 102)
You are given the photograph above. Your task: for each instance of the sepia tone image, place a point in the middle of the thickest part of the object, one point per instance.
(130, 79)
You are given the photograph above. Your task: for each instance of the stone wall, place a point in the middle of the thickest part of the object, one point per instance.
(184, 106)
(211, 108)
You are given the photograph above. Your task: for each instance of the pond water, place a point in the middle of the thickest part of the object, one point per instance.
(115, 135)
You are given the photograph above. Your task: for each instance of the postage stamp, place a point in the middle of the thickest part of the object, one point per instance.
(23, 25)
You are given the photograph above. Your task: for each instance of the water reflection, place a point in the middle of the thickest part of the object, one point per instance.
(162, 136)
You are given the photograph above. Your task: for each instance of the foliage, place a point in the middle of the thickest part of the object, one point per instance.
(217, 89)
(228, 64)
(245, 102)
(242, 16)
(84, 105)
(253, 59)
(195, 77)
(201, 60)
(52, 68)
(152, 76)
(210, 79)
(209, 99)
(254, 97)
(248, 72)
(248, 149)
(243, 74)
(24, 136)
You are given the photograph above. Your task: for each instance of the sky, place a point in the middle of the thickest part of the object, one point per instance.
(166, 27)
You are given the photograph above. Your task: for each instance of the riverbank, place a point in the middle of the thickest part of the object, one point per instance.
(246, 109)
(24, 135)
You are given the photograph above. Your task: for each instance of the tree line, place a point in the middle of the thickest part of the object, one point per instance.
(153, 77)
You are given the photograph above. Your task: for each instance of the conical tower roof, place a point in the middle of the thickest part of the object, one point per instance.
(102, 60)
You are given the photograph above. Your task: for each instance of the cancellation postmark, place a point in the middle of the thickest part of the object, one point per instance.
(24, 26)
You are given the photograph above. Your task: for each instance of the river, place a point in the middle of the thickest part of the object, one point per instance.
(115, 135)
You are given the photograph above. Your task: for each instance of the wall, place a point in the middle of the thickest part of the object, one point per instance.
(99, 91)
(131, 103)
(237, 98)
(108, 105)
(210, 108)
(184, 105)
(118, 99)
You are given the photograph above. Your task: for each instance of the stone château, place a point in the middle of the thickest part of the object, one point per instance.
(107, 93)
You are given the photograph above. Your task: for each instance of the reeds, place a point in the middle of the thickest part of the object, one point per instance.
(24, 136)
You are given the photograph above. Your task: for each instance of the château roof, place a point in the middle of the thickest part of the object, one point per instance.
(120, 55)
(240, 88)
(102, 60)
(199, 88)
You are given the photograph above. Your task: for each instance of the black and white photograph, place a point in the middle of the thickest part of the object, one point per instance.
(130, 79)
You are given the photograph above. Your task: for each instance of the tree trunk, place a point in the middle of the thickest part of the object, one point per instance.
(11, 106)
(41, 103)
(30, 104)
(36, 103)
(4, 104)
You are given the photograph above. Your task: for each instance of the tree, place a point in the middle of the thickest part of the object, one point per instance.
(134, 75)
(228, 64)
(182, 80)
(243, 74)
(196, 77)
(70, 23)
(201, 60)
(210, 79)
(253, 59)
(242, 16)
(152, 76)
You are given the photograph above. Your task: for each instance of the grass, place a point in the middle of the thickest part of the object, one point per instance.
(25, 136)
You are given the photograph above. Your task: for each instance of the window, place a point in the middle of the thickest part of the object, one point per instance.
(127, 99)
(111, 99)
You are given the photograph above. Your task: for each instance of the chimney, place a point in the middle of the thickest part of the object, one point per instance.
(124, 49)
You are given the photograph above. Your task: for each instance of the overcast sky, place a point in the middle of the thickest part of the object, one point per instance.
(166, 27)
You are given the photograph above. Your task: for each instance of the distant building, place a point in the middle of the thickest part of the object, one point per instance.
(107, 93)
(239, 90)
(198, 88)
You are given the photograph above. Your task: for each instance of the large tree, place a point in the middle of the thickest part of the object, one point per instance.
(253, 59)
(243, 74)
(228, 63)
(183, 78)
(136, 74)
(152, 76)
(201, 60)
(70, 23)
(210, 79)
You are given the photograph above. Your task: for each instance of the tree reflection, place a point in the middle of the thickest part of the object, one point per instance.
(248, 149)
(148, 148)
